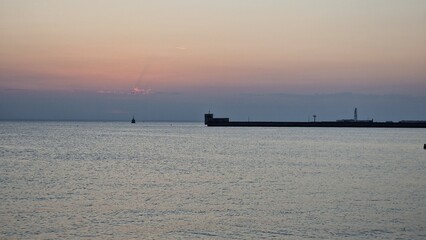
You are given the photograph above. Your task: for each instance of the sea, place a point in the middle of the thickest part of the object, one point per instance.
(117, 180)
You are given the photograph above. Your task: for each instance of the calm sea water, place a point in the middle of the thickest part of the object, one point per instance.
(175, 180)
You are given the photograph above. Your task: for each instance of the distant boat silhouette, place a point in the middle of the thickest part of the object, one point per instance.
(133, 119)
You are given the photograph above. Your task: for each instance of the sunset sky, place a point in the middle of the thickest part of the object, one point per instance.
(200, 47)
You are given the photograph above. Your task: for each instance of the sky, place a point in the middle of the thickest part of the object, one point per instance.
(176, 59)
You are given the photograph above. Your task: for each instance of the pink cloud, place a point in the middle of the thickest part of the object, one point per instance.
(142, 91)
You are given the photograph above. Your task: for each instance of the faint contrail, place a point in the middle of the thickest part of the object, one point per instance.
(138, 89)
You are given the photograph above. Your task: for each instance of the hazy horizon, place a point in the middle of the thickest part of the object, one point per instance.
(176, 106)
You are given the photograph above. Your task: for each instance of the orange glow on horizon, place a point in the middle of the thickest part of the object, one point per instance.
(248, 46)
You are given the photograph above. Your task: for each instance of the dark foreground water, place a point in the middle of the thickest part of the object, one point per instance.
(161, 180)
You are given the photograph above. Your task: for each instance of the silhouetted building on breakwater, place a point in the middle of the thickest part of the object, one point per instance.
(211, 121)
